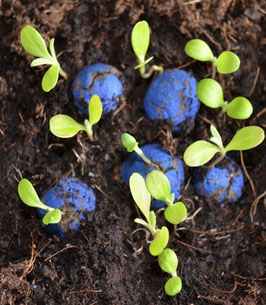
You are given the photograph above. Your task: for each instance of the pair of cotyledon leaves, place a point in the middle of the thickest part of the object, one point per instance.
(29, 196)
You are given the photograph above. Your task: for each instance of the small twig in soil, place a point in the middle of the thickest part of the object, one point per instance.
(209, 298)
(191, 2)
(254, 83)
(195, 248)
(253, 208)
(247, 175)
(187, 64)
(207, 120)
(85, 291)
(258, 115)
(62, 250)
(216, 233)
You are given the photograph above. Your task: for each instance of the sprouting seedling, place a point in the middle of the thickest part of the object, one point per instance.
(210, 93)
(130, 143)
(200, 152)
(227, 62)
(140, 40)
(142, 198)
(29, 196)
(168, 262)
(63, 126)
(34, 44)
(159, 187)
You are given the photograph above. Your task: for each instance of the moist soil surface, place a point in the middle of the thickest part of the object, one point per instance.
(221, 249)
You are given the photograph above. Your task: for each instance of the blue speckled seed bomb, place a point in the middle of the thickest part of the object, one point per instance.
(172, 96)
(173, 168)
(100, 79)
(223, 183)
(73, 197)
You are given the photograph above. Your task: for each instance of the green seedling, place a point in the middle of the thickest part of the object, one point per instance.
(63, 126)
(140, 40)
(142, 199)
(227, 62)
(210, 93)
(159, 187)
(168, 262)
(200, 152)
(34, 44)
(29, 196)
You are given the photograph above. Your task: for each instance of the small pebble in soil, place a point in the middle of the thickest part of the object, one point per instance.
(74, 198)
(172, 168)
(101, 79)
(172, 96)
(223, 183)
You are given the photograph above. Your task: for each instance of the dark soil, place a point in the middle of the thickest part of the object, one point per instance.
(221, 250)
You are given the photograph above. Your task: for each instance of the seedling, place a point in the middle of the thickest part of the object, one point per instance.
(34, 44)
(159, 187)
(227, 61)
(210, 93)
(130, 143)
(29, 196)
(168, 262)
(200, 152)
(63, 126)
(140, 40)
(142, 199)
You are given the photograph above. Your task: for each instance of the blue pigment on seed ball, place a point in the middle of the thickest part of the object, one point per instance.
(73, 198)
(223, 183)
(101, 79)
(172, 96)
(173, 168)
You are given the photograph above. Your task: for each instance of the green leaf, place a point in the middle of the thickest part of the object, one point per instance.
(246, 138)
(216, 138)
(158, 185)
(40, 61)
(199, 49)
(168, 261)
(199, 153)
(152, 219)
(173, 286)
(227, 62)
(143, 63)
(28, 194)
(128, 141)
(239, 108)
(140, 194)
(33, 42)
(176, 213)
(52, 217)
(210, 93)
(140, 38)
(52, 50)
(50, 78)
(160, 241)
(63, 126)
(95, 109)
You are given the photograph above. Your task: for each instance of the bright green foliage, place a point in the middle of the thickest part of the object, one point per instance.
(159, 242)
(173, 286)
(210, 93)
(63, 126)
(29, 196)
(199, 50)
(168, 261)
(176, 213)
(34, 44)
(227, 62)
(200, 152)
(140, 40)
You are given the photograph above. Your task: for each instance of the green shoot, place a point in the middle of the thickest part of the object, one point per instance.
(168, 261)
(29, 196)
(227, 62)
(173, 286)
(159, 187)
(140, 40)
(142, 199)
(210, 93)
(63, 126)
(34, 44)
(200, 152)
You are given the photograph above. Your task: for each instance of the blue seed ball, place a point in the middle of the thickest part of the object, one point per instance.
(172, 167)
(100, 79)
(172, 96)
(73, 198)
(223, 183)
